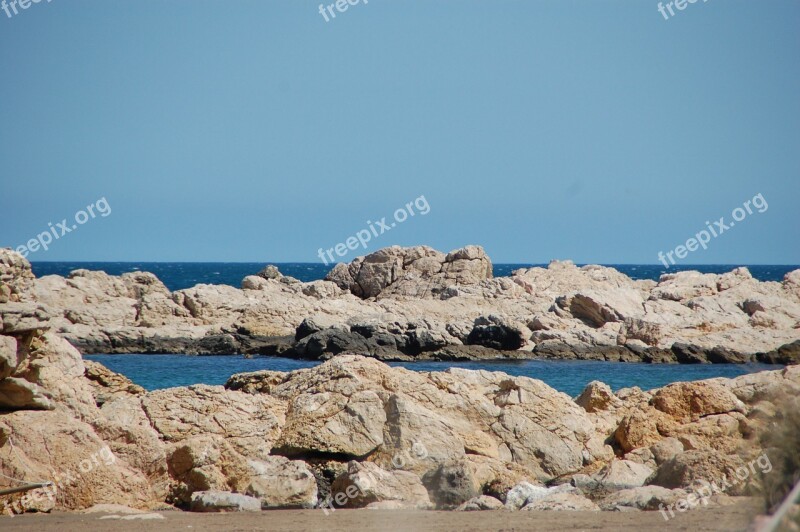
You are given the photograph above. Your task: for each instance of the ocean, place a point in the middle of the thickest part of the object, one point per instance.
(179, 275)
(154, 372)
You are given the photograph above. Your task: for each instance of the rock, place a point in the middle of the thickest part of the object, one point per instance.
(689, 354)
(108, 385)
(666, 449)
(270, 272)
(451, 484)
(622, 474)
(307, 327)
(642, 498)
(254, 282)
(480, 503)
(418, 439)
(332, 423)
(722, 355)
(51, 363)
(596, 397)
(19, 394)
(123, 425)
(205, 463)
(638, 329)
(368, 483)
(599, 314)
(16, 277)
(496, 333)
(256, 382)
(524, 493)
(416, 272)
(683, 286)
(565, 501)
(54, 445)
(331, 342)
(282, 483)
(251, 423)
(223, 501)
(786, 354)
(8, 356)
(496, 477)
(638, 429)
(546, 432)
(598, 307)
(710, 466)
(690, 401)
(321, 289)
(23, 317)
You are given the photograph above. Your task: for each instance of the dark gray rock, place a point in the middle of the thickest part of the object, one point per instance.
(450, 485)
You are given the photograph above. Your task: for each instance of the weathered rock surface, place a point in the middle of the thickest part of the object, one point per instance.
(406, 303)
(223, 501)
(484, 502)
(565, 501)
(250, 423)
(369, 483)
(374, 435)
(282, 483)
(643, 498)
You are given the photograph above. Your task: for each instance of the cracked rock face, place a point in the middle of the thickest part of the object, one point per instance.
(394, 438)
(416, 272)
(400, 303)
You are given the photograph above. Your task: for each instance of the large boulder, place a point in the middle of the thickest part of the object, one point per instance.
(496, 332)
(417, 272)
(689, 467)
(350, 425)
(205, 463)
(622, 474)
(481, 503)
(451, 484)
(597, 396)
(642, 498)
(251, 423)
(364, 483)
(690, 401)
(282, 483)
(123, 425)
(223, 501)
(55, 446)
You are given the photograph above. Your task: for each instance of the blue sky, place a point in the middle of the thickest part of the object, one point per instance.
(253, 130)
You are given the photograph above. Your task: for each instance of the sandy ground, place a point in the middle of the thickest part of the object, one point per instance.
(730, 518)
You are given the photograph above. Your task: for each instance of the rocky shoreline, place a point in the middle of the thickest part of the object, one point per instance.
(355, 433)
(419, 304)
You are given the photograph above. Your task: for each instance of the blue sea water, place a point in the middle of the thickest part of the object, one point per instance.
(570, 376)
(179, 275)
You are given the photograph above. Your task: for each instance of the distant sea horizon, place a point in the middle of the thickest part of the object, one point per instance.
(180, 275)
